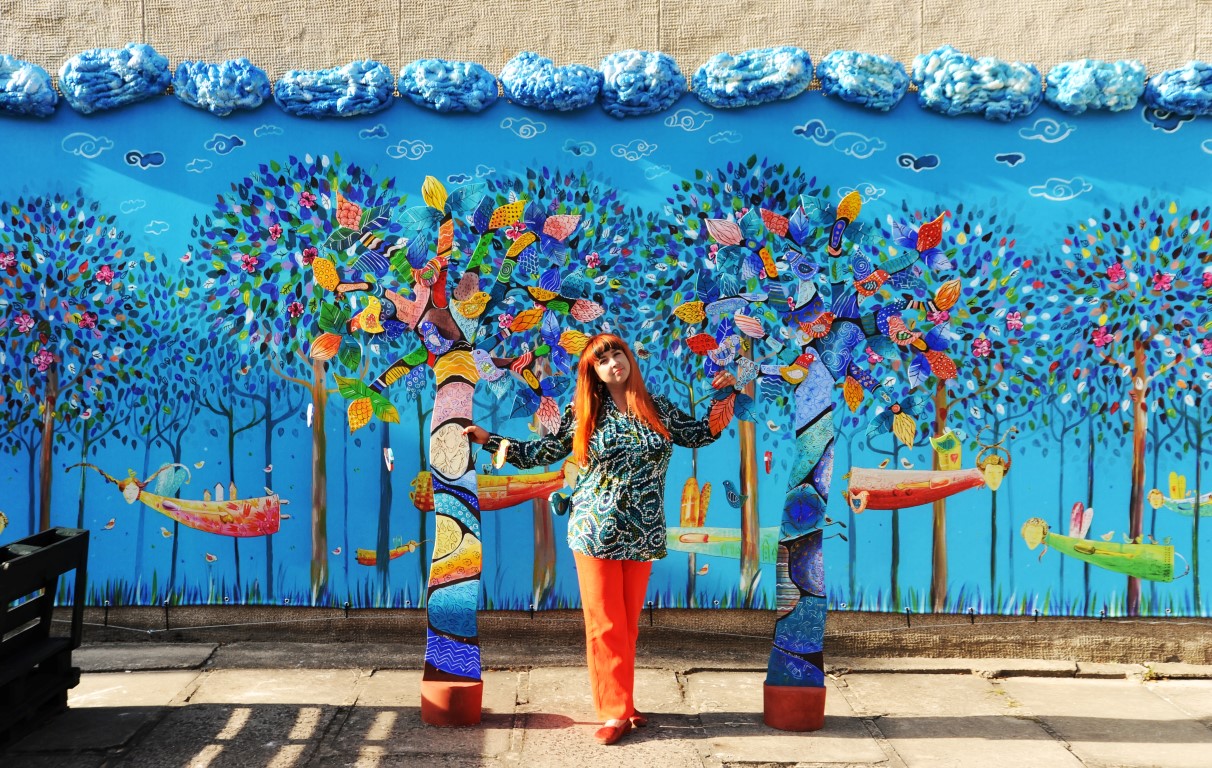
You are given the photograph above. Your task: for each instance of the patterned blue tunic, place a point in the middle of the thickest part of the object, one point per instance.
(618, 505)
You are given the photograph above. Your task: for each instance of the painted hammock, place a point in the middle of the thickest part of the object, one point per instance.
(501, 491)
(371, 557)
(1154, 562)
(238, 518)
(901, 488)
(721, 542)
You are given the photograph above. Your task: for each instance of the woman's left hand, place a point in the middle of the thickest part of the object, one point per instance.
(723, 379)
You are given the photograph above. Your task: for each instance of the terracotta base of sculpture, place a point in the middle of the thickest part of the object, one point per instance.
(793, 708)
(451, 703)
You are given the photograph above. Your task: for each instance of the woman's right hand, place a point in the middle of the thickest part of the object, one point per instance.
(476, 434)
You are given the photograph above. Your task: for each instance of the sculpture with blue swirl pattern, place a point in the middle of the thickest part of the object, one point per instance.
(757, 76)
(640, 83)
(955, 84)
(358, 88)
(532, 80)
(104, 78)
(448, 86)
(1183, 91)
(26, 89)
(1075, 86)
(876, 82)
(221, 88)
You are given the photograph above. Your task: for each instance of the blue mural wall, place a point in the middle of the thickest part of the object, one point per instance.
(161, 310)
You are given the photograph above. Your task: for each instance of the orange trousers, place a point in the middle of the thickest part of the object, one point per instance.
(612, 597)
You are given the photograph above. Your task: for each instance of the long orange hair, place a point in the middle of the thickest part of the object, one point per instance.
(590, 391)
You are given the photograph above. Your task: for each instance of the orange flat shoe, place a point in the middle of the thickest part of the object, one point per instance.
(610, 734)
(639, 720)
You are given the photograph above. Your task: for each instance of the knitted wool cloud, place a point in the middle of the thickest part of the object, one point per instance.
(26, 89)
(531, 80)
(104, 78)
(877, 82)
(448, 86)
(954, 84)
(640, 83)
(1183, 91)
(1075, 86)
(358, 88)
(754, 77)
(221, 88)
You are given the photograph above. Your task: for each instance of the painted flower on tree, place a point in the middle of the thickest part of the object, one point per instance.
(295, 309)
(307, 200)
(105, 274)
(43, 359)
(982, 347)
(309, 255)
(24, 322)
(1163, 281)
(275, 232)
(1102, 337)
(1014, 321)
(1208, 279)
(8, 260)
(1205, 346)
(1116, 272)
(593, 260)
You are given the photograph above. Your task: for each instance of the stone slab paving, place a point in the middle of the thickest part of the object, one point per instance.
(107, 710)
(959, 720)
(1113, 722)
(262, 718)
(559, 722)
(385, 722)
(1191, 696)
(730, 707)
(122, 657)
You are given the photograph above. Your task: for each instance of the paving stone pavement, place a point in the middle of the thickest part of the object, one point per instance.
(879, 712)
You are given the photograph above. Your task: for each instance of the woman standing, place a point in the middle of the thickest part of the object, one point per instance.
(622, 438)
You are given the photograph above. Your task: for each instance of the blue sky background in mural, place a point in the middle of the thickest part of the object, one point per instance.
(157, 166)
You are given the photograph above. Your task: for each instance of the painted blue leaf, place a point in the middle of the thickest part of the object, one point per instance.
(550, 281)
(482, 215)
(919, 370)
(418, 252)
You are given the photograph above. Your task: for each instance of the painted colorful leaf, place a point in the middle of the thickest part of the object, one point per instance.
(749, 326)
(433, 193)
(721, 414)
(775, 223)
(360, 411)
(931, 233)
(690, 312)
(549, 414)
(540, 294)
(905, 428)
(507, 215)
(724, 231)
(561, 226)
(850, 206)
(474, 306)
(325, 346)
(852, 393)
(586, 311)
(573, 341)
(522, 243)
(326, 274)
(701, 343)
(527, 319)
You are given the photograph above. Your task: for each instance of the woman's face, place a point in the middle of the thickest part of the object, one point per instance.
(612, 367)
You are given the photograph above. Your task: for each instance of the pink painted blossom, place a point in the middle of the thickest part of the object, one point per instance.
(105, 275)
(25, 322)
(505, 321)
(1208, 279)
(88, 320)
(1116, 272)
(1205, 346)
(1014, 321)
(309, 255)
(593, 260)
(515, 231)
(43, 359)
(1102, 337)
(249, 263)
(1163, 281)
(8, 260)
(295, 309)
(275, 231)
(938, 318)
(307, 200)
(982, 347)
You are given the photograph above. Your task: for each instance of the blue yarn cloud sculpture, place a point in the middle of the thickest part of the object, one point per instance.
(955, 84)
(1183, 91)
(532, 80)
(358, 88)
(26, 89)
(1075, 86)
(104, 78)
(640, 83)
(221, 88)
(754, 77)
(876, 82)
(448, 86)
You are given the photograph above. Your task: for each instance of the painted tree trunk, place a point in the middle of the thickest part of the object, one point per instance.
(1140, 434)
(85, 441)
(231, 483)
(383, 539)
(422, 518)
(938, 551)
(751, 536)
(319, 483)
(1062, 516)
(797, 658)
(269, 483)
(49, 403)
(692, 573)
(543, 577)
(1090, 455)
(1199, 479)
(32, 489)
(452, 646)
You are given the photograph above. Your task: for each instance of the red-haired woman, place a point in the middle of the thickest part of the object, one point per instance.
(622, 437)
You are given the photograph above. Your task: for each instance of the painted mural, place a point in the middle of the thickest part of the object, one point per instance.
(233, 349)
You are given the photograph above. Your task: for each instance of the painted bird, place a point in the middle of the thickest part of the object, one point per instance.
(906, 463)
(735, 499)
(884, 463)
(703, 571)
(199, 464)
(165, 532)
(110, 525)
(337, 551)
(211, 558)
(389, 459)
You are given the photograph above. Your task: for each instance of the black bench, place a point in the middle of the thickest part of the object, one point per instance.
(35, 663)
